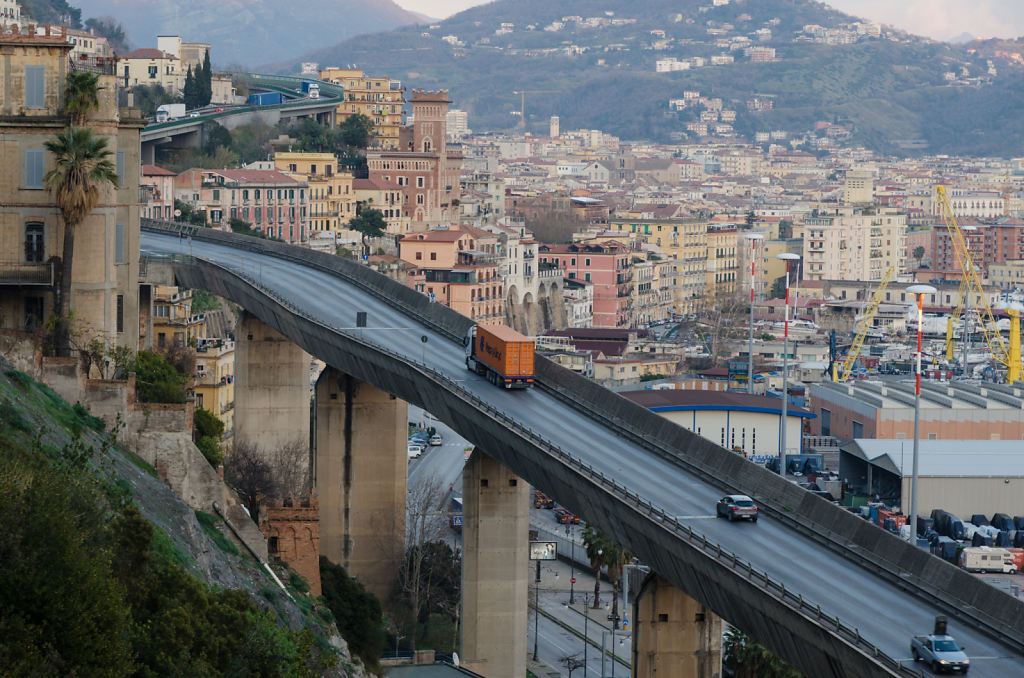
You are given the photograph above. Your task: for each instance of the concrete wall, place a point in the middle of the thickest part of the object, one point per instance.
(966, 496)
(360, 475)
(496, 520)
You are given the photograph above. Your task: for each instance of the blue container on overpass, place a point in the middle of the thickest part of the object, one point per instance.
(265, 99)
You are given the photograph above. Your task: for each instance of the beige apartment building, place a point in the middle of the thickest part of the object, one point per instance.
(149, 66)
(722, 267)
(849, 243)
(380, 99)
(332, 198)
(105, 288)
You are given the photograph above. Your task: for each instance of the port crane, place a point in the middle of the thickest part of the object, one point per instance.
(865, 324)
(1008, 356)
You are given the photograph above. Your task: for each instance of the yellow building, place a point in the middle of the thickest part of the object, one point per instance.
(682, 241)
(215, 380)
(379, 99)
(173, 320)
(722, 269)
(151, 67)
(105, 291)
(332, 199)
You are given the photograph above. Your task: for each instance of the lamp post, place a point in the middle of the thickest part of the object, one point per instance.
(586, 619)
(920, 291)
(787, 257)
(604, 652)
(536, 610)
(965, 334)
(572, 562)
(753, 238)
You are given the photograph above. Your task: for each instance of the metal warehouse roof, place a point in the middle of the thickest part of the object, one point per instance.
(943, 458)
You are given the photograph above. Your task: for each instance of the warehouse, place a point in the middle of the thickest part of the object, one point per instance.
(737, 421)
(963, 477)
(949, 411)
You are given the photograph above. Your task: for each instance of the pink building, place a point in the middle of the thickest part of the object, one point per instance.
(607, 266)
(157, 186)
(269, 200)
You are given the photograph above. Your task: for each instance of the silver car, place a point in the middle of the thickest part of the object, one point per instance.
(735, 506)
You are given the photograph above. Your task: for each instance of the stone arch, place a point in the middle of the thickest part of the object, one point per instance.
(513, 308)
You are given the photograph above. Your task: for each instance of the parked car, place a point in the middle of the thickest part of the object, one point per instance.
(421, 437)
(414, 450)
(436, 440)
(735, 506)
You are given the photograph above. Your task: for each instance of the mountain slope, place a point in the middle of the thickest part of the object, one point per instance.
(594, 65)
(250, 32)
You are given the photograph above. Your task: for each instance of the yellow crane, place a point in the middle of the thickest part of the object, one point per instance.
(954, 319)
(865, 325)
(1007, 356)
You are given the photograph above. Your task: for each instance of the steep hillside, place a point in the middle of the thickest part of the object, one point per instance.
(249, 32)
(594, 64)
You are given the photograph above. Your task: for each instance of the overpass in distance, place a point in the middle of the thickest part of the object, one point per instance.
(828, 592)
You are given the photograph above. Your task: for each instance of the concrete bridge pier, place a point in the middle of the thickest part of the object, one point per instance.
(496, 521)
(271, 389)
(674, 636)
(360, 475)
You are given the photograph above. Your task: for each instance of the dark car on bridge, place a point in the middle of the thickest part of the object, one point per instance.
(735, 506)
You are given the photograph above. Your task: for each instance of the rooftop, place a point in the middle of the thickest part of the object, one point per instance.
(943, 458)
(679, 400)
(947, 396)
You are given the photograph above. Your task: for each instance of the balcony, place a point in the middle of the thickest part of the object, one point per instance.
(19, 274)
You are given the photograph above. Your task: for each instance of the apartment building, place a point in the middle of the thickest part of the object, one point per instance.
(387, 199)
(105, 289)
(332, 198)
(851, 243)
(10, 13)
(380, 99)
(156, 186)
(427, 175)
(607, 266)
(149, 66)
(215, 379)
(722, 267)
(450, 268)
(191, 54)
(174, 323)
(989, 242)
(271, 201)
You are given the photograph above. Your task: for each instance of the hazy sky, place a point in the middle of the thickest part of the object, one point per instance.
(934, 18)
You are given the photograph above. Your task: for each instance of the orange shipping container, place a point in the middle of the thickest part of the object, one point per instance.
(1017, 556)
(506, 353)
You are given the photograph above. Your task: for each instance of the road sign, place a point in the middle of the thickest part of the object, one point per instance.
(573, 580)
(457, 521)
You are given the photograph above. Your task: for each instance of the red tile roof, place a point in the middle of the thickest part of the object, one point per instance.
(155, 171)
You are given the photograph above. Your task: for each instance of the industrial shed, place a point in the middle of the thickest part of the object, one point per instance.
(963, 477)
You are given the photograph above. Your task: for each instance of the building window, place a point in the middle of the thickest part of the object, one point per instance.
(826, 422)
(419, 256)
(120, 168)
(120, 313)
(33, 313)
(35, 86)
(119, 255)
(858, 430)
(419, 182)
(35, 247)
(34, 168)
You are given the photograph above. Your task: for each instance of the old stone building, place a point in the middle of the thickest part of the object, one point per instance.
(105, 290)
(292, 529)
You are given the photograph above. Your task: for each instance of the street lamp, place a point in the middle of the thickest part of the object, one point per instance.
(572, 562)
(964, 336)
(920, 291)
(753, 238)
(787, 257)
(604, 635)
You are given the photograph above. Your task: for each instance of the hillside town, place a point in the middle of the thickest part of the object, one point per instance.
(212, 277)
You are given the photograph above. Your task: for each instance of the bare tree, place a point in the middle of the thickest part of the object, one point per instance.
(258, 474)
(572, 662)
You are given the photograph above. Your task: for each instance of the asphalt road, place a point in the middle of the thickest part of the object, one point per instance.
(883, 614)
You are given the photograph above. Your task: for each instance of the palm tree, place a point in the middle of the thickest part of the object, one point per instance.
(82, 169)
(596, 544)
(81, 95)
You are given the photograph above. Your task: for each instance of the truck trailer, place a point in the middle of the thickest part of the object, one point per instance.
(265, 99)
(501, 354)
(169, 112)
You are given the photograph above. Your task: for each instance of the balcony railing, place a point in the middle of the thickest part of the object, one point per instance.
(17, 273)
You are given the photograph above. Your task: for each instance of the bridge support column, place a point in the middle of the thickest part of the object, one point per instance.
(496, 558)
(674, 636)
(271, 389)
(360, 472)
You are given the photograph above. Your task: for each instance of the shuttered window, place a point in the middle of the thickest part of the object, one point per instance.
(35, 86)
(34, 169)
(119, 256)
(120, 168)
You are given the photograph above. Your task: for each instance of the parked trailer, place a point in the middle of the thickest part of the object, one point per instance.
(985, 559)
(501, 354)
(265, 99)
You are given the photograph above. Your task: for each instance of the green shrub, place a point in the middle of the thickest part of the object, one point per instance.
(156, 380)
(211, 450)
(210, 524)
(95, 423)
(356, 610)
(19, 377)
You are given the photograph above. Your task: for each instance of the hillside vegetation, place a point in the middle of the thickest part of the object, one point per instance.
(105, 572)
(890, 89)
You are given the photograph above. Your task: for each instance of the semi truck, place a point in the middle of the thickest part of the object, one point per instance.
(501, 354)
(311, 89)
(168, 112)
(265, 99)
